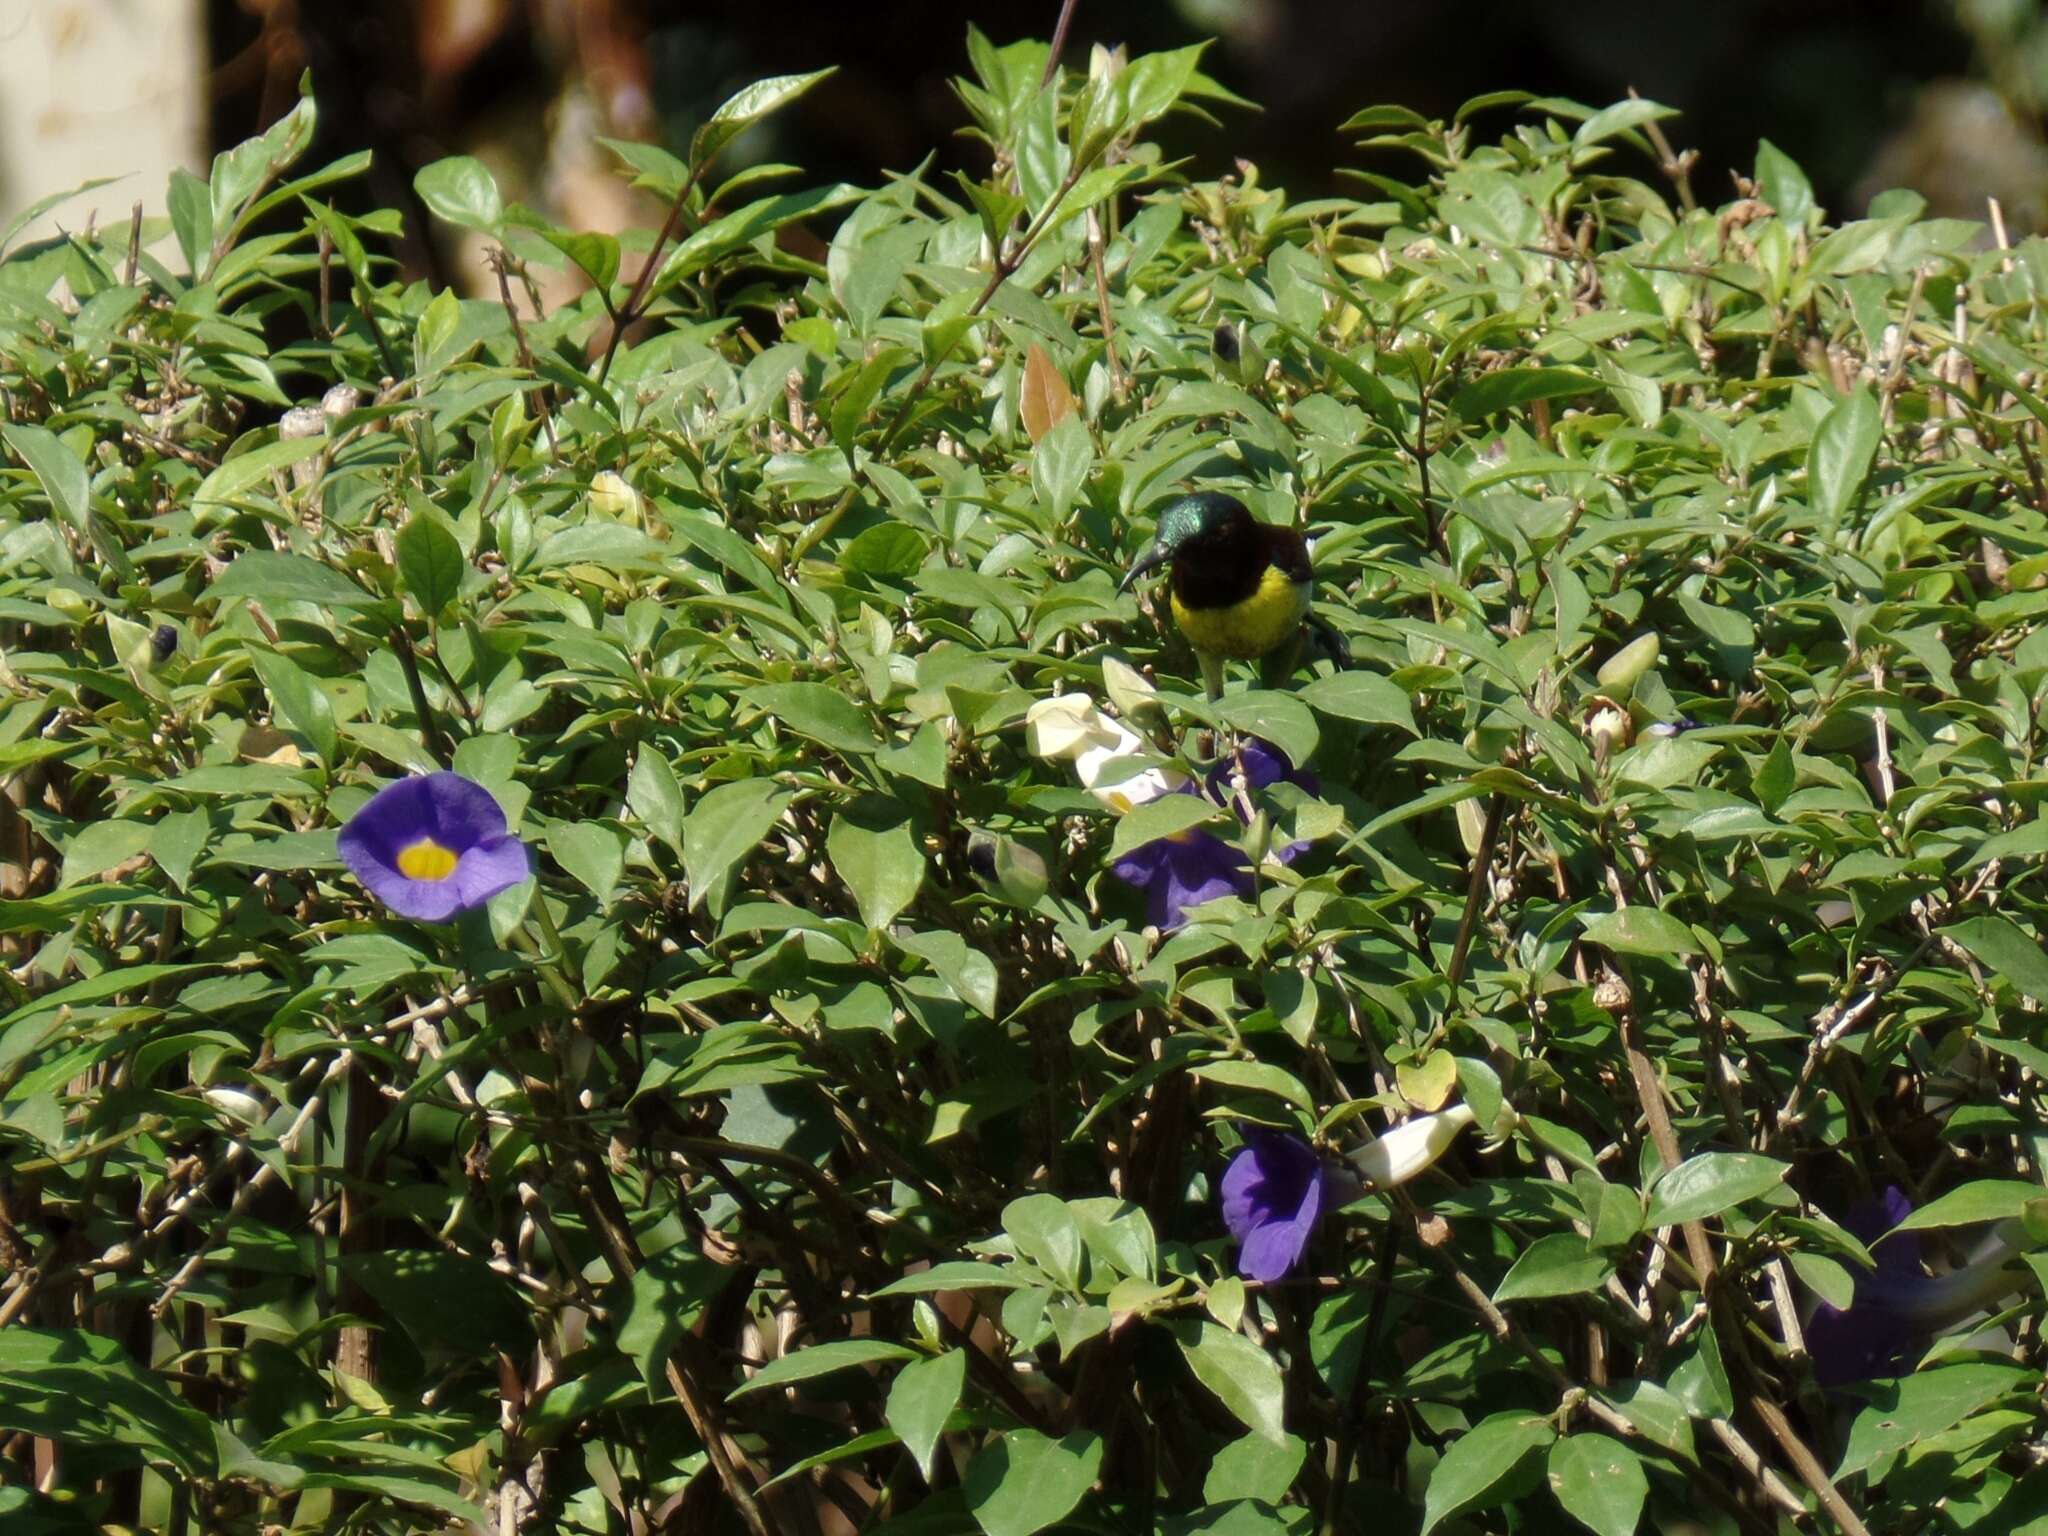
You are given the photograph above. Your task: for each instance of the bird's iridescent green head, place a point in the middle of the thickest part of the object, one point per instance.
(1204, 517)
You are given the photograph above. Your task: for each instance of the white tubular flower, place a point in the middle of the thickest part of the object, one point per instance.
(1105, 753)
(1408, 1149)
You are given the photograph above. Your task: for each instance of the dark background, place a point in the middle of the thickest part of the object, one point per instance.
(1864, 93)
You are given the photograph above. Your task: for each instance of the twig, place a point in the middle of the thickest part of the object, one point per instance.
(286, 1145)
(326, 284)
(1117, 382)
(1678, 167)
(1059, 41)
(1475, 893)
(629, 312)
(594, 1193)
(430, 723)
(1895, 368)
(135, 247)
(498, 262)
(1504, 1330)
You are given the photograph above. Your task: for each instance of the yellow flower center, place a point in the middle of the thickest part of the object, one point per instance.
(426, 860)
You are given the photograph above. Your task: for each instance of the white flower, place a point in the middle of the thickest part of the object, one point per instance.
(1106, 754)
(1408, 1149)
(1067, 725)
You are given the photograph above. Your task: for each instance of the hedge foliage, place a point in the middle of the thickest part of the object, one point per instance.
(822, 1141)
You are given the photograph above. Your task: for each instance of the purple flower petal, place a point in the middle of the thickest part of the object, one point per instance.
(1177, 873)
(1876, 1335)
(493, 865)
(465, 829)
(1274, 1249)
(1272, 1198)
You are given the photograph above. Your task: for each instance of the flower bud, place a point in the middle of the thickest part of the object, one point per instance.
(612, 498)
(1626, 666)
(1129, 690)
(1408, 1149)
(1020, 873)
(1608, 728)
(237, 1103)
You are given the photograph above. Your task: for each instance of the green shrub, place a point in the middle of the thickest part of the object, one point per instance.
(825, 1110)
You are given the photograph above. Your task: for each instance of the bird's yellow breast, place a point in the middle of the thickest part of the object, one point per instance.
(1252, 626)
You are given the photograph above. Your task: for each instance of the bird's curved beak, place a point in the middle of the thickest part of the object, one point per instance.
(1151, 560)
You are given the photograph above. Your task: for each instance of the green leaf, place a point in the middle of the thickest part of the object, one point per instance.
(446, 1302)
(99, 845)
(653, 795)
(1254, 1468)
(1168, 816)
(745, 108)
(268, 576)
(1709, 1184)
(951, 1275)
(1059, 467)
(1257, 1077)
(724, 826)
(1047, 1233)
(430, 563)
(1619, 119)
(43, 205)
(822, 1360)
(666, 1294)
(594, 852)
(434, 336)
(822, 713)
(1980, 1200)
(1510, 387)
(1363, 696)
(1640, 931)
(1556, 1264)
(1243, 1376)
(874, 850)
(55, 467)
(1025, 1481)
(1783, 185)
(1279, 718)
(253, 468)
(921, 1399)
(297, 699)
(1479, 1461)
(1830, 1281)
(84, 1389)
(1600, 1482)
(176, 842)
(968, 973)
(2006, 949)
(1844, 444)
(1925, 1404)
(461, 190)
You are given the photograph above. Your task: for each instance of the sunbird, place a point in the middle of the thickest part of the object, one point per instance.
(1240, 587)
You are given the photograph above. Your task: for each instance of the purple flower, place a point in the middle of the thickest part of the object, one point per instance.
(433, 845)
(1898, 1308)
(1872, 1336)
(1272, 1199)
(1176, 873)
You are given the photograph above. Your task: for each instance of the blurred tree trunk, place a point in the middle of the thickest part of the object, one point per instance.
(99, 88)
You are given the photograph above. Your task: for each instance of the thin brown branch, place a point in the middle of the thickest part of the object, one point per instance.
(1059, 41)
